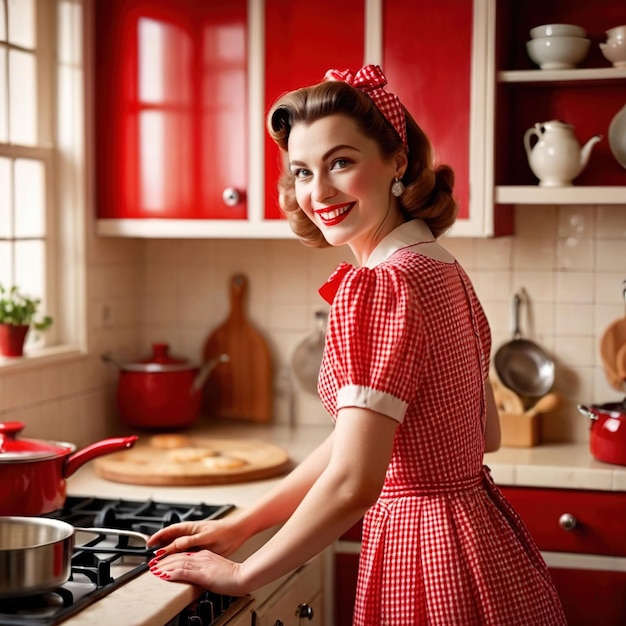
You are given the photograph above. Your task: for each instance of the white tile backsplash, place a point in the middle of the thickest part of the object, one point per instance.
(571, 260)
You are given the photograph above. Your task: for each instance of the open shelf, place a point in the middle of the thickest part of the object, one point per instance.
(529, 194)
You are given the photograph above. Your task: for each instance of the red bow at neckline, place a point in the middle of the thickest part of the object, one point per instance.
(329, 289)
(371, 80)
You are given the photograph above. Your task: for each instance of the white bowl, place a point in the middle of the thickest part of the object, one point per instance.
(615, 52)
(557, 30)
(619, 32)
(557, 53)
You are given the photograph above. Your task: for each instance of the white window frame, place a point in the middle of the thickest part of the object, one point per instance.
(61, 147)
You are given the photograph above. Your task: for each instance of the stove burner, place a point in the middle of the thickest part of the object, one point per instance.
(101, 561)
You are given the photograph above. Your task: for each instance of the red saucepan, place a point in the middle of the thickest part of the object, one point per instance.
(36, 553)
(607, 437)
(33, 472)
(161, 391)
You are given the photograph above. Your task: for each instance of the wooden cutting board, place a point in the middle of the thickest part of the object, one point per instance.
(242, 387)
(178, 460)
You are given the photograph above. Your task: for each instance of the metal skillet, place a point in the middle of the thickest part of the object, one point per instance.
(522, 365)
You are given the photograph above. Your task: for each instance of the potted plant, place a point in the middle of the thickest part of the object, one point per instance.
(18, 314)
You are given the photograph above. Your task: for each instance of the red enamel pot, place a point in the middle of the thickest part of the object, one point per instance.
(33, 472)
(161, 391)
(607, 435)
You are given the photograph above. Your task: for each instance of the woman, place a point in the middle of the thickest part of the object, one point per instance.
(405, 378)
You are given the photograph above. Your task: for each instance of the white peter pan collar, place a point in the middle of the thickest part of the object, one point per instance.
(410, 233)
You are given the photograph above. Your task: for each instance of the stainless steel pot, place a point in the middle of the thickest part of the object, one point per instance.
(36, 553)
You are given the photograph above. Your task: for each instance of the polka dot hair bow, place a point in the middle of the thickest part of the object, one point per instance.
(371, 80)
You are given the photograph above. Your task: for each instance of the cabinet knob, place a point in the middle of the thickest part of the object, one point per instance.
(567, 521)
(304, 610)
(231, 196)
(278, 623)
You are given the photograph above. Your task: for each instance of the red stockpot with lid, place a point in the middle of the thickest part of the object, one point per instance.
(607, 434)
(33, 472)
(161, 391)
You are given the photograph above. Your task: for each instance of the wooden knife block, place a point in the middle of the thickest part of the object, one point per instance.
(520, 430)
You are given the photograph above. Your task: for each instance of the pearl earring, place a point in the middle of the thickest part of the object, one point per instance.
(397, 189)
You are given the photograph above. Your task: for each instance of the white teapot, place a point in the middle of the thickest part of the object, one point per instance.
(557, 158)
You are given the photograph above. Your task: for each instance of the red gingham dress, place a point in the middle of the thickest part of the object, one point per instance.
(408, 338)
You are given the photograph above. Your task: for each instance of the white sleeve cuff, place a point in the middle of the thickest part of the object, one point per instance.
(367, 398)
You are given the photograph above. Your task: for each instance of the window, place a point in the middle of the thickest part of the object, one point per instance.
(42, 158)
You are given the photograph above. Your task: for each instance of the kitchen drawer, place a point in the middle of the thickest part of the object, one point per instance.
(298, 601)
(598, 518)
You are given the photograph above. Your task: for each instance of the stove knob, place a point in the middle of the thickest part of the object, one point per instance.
(304, 610)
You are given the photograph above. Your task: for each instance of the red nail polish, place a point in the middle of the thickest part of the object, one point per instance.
(164, 576)
(159, 552)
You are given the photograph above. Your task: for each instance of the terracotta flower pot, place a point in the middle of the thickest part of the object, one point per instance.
(12, 339)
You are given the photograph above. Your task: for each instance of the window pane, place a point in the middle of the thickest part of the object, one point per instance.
(4, 120)
(6, 203)
(70, 35)
(22, 23)
(6, 265)
(29, 267)
(22, 98)
(3, 24)
(29, 198)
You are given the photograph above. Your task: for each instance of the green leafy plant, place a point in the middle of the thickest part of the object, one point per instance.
(17, 309)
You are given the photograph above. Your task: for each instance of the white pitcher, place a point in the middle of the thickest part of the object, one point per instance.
(557, 158)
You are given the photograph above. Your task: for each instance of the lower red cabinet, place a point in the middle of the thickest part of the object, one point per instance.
(346, 568)
(582, 535)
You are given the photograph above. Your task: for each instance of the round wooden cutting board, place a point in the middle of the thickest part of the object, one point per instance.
(178, 460)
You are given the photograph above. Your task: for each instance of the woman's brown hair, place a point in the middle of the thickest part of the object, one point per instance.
(428, 188)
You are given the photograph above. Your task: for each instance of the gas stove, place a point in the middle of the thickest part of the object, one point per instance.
(102, 561)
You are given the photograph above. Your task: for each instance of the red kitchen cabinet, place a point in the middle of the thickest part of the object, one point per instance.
(431, 74)
(345, 572)
(302, 41)
(170, 108)
(435, 57)
(582, 535)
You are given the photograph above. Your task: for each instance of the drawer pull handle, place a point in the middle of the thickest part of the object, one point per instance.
(304, 610)
(567, 521)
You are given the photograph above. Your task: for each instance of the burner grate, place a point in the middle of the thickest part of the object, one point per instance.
(102, 561)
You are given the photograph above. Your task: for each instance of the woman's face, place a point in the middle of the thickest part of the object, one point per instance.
(343, 183)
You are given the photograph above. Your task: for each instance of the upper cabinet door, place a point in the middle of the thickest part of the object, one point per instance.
(170, 108)
(434, 56)
(427, 56)
(302, 41)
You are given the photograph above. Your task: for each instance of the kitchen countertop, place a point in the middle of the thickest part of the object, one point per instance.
(149, 601)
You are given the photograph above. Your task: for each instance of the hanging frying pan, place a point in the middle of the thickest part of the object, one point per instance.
(522, 365)
(306, 355)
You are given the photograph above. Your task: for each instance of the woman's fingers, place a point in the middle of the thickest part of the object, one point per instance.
(204, 568)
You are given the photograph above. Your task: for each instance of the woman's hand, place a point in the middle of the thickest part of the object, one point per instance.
(204, 568)
(221, 536)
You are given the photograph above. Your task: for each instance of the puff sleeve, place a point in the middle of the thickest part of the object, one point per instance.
(374, 343)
